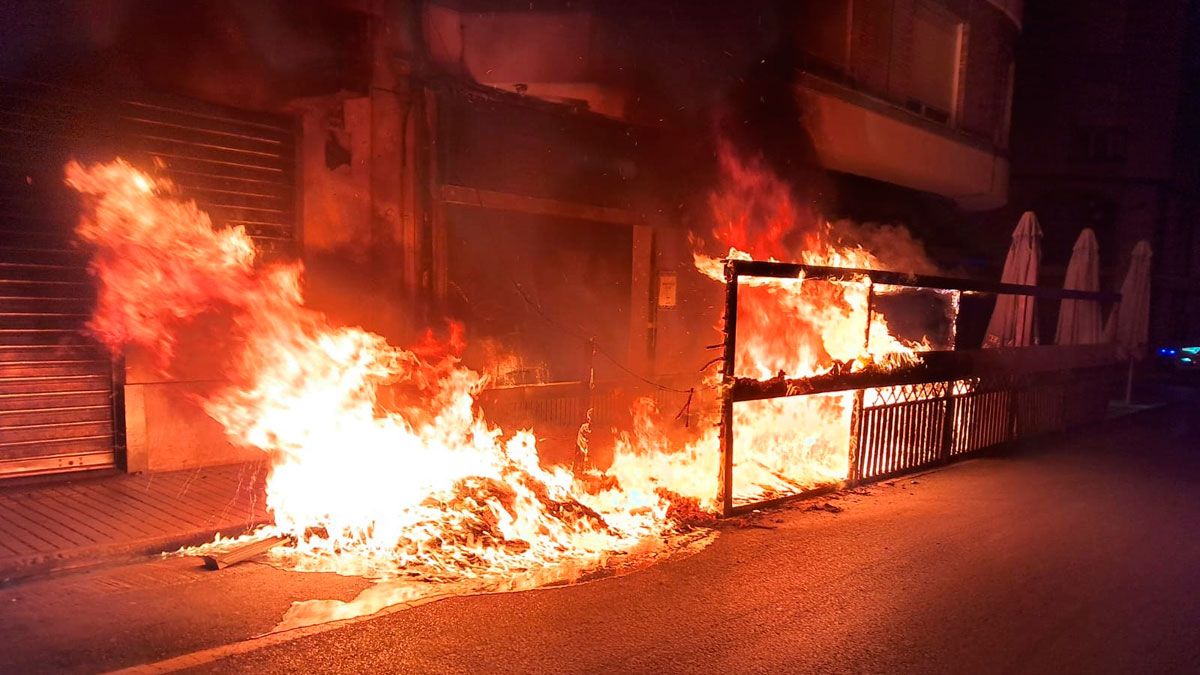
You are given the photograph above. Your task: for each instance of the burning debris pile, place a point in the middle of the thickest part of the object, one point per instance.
(382, 464)
(362, 488)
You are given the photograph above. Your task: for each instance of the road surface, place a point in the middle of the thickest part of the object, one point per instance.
(1071, 554)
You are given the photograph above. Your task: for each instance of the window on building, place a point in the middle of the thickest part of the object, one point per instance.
(822, 35)
(912, 54)
(936, 52)
(1004, 123)
(1099, 144)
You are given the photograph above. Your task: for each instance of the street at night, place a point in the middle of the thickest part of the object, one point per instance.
(580, 336)
(1062, 556)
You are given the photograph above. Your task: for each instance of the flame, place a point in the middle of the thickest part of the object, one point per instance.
(791, 327)
(795, 327)
(381, 463)
(412, 482)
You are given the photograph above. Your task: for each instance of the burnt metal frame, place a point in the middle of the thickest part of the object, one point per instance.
(1021, 365)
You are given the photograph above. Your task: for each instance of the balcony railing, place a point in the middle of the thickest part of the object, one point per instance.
(942, 406)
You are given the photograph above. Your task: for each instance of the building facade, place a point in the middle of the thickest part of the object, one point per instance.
(533, 169)
(1105, 136)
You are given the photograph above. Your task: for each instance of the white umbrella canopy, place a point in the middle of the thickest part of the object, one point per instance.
(1129, 324)
(1013, 322)
(1079, 320)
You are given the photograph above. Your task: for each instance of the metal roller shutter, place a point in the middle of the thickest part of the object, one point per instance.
(238, 166)
(60, 404)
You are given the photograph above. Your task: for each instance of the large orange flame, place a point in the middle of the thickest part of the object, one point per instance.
(418, 481)
(794, 327)
(429, 488)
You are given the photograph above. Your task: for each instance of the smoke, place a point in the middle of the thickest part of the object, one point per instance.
(756, 210)
(764, 148)
(249, 54)
(893, 245)
(765, 120)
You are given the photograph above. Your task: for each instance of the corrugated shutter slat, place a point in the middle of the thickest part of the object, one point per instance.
(56, 384)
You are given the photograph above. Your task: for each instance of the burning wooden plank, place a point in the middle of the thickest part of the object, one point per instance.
(243, 552)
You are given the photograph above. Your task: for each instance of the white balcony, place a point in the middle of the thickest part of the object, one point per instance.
(861, 135)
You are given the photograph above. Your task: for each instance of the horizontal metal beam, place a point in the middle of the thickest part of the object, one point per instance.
(533, 392)
(540, 206)
(781, 270)
(932, 367)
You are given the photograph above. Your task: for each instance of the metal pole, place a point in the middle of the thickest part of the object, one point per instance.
(856, 414)
(582, 439)
(1129, 384)
(725, 478)
(1019, 391)
(948, 430)
(120, 434)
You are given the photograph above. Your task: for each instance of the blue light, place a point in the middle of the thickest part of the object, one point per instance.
(1165, 351)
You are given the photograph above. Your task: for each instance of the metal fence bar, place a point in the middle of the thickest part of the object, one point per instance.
(916, 417)
(856, 413)
(727, 377)
(778, 270)
(934, 366)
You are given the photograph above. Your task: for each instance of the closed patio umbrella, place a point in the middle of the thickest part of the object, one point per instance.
(1013, 322)
(1129, 324)
(1079, 320)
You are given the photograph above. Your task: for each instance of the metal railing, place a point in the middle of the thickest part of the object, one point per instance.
(942, 406)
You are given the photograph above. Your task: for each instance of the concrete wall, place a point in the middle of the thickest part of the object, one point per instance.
(372, 230)
(165, 427)
(338, 233)
(556, 55)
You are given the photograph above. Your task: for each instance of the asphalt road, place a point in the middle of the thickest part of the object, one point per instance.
(1072, 554)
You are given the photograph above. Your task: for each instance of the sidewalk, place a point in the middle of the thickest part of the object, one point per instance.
(84, 521)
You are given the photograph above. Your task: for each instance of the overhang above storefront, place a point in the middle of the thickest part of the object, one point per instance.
(854, 134)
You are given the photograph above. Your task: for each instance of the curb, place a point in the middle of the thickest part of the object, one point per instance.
(19, 569)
